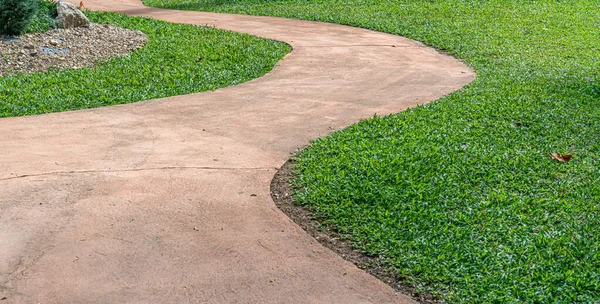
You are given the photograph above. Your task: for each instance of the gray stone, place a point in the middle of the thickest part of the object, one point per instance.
(11, 39)
(53, 51)
(69, 16)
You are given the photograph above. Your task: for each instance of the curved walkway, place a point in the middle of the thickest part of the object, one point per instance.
(167, 201)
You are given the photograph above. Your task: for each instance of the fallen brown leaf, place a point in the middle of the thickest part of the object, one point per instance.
(561, 157)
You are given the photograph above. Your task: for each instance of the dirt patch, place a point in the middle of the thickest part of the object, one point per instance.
(281, 191)
(66, 48)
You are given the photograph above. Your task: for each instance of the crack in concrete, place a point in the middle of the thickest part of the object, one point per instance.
(140, 169)
(363, 45)
(21, 267)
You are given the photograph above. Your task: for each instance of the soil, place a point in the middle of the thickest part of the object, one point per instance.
(281, 190)
(66, 48)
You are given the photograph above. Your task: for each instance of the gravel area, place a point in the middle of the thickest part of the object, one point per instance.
(66, 48)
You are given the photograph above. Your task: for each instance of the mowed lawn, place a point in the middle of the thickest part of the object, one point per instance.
(460, 197)
(177, 59)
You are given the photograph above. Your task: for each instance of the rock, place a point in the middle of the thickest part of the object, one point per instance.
(54, 42)
(11, 39)
(53, 51)
(77, 47)
(69, 16)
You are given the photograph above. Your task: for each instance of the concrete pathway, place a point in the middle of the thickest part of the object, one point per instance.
(167, 201)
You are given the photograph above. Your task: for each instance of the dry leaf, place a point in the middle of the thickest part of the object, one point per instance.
(561, 157)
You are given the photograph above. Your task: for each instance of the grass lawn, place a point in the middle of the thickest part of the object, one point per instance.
(168, 65)
(460, 197)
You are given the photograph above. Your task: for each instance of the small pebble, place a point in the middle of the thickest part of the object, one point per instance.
(66, 49)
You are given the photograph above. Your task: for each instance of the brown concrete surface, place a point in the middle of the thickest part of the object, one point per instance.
(167, 201)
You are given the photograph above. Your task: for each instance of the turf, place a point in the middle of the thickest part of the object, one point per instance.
(460, 197)
(177, 59)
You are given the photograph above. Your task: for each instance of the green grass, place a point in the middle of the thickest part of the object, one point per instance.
(177, 59)
(460, 197)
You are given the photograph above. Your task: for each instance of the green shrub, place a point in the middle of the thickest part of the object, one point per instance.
(15, 15)
(43, 19)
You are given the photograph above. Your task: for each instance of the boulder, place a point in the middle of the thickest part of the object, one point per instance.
(69, 16)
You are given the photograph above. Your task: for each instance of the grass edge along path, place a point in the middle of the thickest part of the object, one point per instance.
(177, 59)
(460, 197)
